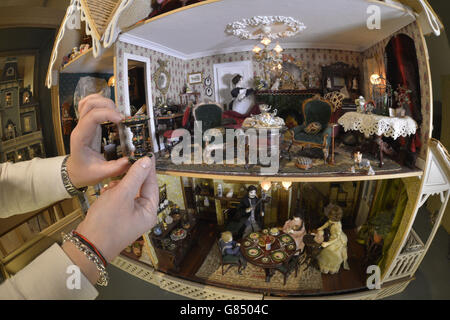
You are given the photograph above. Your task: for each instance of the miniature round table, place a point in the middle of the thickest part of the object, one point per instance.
(282, 248)
(378, 126)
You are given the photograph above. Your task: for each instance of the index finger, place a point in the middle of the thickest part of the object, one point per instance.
(94, 101)
(88, 125)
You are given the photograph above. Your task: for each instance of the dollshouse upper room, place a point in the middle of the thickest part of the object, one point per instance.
(360, 55)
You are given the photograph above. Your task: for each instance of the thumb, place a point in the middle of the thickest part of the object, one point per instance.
(135, 177)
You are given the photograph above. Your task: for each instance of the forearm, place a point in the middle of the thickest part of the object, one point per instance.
(48, 277)
(87, 267)
(30, 185)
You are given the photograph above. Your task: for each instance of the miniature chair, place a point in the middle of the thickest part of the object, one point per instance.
(290, 265)
(227, 259)
(315, 132)
(171, 137)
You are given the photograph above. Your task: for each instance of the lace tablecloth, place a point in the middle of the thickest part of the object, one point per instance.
(373, 124)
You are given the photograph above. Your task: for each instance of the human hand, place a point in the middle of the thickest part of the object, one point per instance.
(124, 211)
(248, 209)
(85, 165)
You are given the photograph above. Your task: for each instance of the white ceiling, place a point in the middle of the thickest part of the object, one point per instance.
(332, 24)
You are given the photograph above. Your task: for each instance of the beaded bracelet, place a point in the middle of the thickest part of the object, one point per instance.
(91, 255)
(87, 243)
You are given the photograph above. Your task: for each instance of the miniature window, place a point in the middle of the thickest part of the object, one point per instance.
(8, 99)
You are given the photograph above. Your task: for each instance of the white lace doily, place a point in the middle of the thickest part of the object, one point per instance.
(371, 124)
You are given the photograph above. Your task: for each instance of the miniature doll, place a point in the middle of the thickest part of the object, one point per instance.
(251, 207)
(296, 229)
(242, 97)
(360, 102)
(334, 252)
(230, 247)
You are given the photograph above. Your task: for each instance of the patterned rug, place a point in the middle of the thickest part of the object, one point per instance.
(254, 277)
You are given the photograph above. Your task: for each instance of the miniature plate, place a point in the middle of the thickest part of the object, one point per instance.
(265, 231)
(291, 247)
(247, 243)
(168, 219)
(274, 231)
(278, 256)
(171, 246)
(265, 260)
(178, 234)
(254, 252)
(254, 235)
(286, 239)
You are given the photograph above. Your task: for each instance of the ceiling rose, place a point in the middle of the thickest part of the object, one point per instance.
(260, 27)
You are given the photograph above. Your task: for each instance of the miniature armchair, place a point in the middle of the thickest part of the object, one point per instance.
(316, 131)
(210, 116)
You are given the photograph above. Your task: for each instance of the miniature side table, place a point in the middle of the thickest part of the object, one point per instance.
(378, 126)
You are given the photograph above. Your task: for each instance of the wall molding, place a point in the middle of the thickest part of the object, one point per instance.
(141, 42)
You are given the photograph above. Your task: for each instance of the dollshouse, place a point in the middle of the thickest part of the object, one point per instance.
(337, 96)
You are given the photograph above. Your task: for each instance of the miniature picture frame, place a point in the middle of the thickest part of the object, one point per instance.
(195, 78)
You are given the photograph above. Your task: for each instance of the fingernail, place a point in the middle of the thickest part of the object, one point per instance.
(145, 162)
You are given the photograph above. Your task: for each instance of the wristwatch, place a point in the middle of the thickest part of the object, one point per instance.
(71, 189)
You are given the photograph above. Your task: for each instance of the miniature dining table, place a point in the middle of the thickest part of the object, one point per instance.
(378, 126)
(253, 248)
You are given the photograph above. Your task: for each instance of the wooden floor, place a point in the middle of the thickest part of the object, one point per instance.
(345, 281)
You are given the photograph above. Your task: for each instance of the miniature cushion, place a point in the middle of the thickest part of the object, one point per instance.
(313, 128)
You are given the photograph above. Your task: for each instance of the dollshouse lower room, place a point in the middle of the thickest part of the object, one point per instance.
(278, 239)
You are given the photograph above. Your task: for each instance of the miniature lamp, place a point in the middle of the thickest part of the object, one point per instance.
(266, 41)
(265, 185)
(278, 48)
(375, 79)
(256, 49)
(112, 81)
(286, 184)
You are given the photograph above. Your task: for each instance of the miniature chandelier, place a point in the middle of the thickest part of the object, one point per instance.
(266, 29)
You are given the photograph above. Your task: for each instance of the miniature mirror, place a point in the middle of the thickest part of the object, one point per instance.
(162, 77)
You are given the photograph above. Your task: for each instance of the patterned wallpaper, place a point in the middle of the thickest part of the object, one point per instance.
(412, 30)
(176, 67)
(313, 60)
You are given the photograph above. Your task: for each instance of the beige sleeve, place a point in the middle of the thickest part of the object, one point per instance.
(30, 185)
(48, 277)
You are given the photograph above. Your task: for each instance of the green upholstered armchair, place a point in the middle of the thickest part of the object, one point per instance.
(318, 110)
